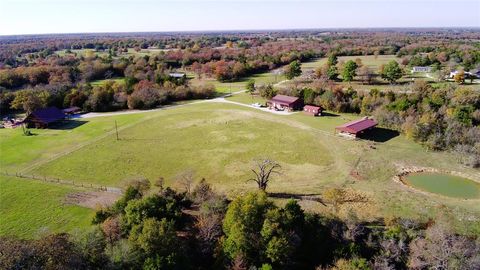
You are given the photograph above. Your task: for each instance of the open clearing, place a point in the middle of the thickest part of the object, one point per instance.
(218, 141)
(230, 87)
(371, 61)
(31, 208)
(374, 63)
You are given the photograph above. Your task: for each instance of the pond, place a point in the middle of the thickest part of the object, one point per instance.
(444, 184)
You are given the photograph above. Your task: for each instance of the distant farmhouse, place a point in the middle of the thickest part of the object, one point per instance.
(422, 69)
(42, 118)
(285, 103)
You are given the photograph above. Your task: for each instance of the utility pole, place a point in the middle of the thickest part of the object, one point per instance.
(116, 129)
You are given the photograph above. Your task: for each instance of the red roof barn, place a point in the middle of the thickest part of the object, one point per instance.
(41, 118)
(356, 127)
(282, 102)
(312, 110)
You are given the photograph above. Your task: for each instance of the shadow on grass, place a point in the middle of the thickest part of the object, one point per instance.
(379, 134)
(329, 114)
(308, 197)
(67, 124)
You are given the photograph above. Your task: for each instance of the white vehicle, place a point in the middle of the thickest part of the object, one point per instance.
(257, 105)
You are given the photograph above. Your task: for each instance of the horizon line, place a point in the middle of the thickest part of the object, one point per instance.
(250, 30)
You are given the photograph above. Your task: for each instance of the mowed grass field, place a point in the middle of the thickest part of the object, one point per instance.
(219, 141)
(216, 141)
(31, 208)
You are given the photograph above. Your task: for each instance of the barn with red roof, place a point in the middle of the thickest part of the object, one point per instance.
(282, 102)
(356, 127)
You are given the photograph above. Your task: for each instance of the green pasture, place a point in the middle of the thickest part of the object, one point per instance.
(30, 209)
(82, 52)
(247, 98)
(18, 152)
(102, 82)
(372, 61)
(218, 141)
(230, 87)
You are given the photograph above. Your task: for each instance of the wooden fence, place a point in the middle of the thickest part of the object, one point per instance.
(60, 181)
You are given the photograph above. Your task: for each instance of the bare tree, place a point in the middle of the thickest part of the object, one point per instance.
(264, 168)
(186, 179)
(209, 228)
(442, 249)
(239, 263)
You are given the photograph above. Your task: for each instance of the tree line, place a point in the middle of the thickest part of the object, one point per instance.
(160, 228)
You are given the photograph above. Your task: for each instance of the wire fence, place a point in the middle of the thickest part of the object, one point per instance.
(61, 181)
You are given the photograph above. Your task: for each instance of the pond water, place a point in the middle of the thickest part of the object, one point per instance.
(444, 184)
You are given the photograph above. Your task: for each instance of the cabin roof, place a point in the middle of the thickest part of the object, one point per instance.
(357, 125)
(46, 115)
(282, 99)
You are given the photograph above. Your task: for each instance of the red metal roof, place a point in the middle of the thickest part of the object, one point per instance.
(357, 125)
(311, 107)
(282, 99)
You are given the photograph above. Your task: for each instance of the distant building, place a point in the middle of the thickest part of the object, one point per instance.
(177, 75)
(71, 110)
(312, 110)
(282, 102)
(422, 69)
(42, 118)
(466, 73)
(354, 128)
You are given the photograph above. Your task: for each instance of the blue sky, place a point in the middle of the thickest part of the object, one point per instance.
(74, 16)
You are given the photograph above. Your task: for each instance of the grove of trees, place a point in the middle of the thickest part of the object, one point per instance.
(152, 229)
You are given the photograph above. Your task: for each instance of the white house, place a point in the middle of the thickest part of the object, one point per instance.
(421, 69)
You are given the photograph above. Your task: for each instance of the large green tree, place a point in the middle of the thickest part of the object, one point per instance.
(158, 242)
(250, 86)
(349, 71)
(294, 69)
(242, 225)
(391, 71)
